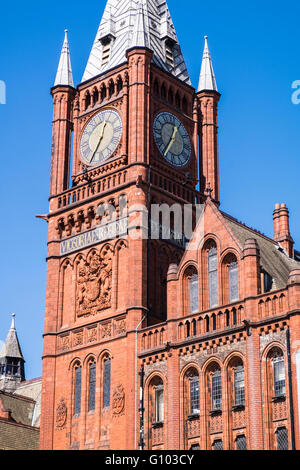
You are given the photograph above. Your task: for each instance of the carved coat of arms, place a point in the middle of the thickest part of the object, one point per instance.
(118, 400)
(94, 284)
(61, 414)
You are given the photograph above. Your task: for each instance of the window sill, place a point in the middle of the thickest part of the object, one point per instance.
(280, 398)
(238, 408)
(157, 425)
(193, 417)
(215, 413)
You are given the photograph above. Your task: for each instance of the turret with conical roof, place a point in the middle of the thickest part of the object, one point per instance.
(208, 98)
(64, 75)
(11, 361)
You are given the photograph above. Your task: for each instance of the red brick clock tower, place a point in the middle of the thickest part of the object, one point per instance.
(125, 138)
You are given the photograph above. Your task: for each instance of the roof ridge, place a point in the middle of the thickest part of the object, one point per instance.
(242, 224)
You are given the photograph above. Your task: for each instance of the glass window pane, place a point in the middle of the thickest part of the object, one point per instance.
(239, 386)
(77, 399)
(216, 391)
(279, 377)
(194, 398)
(107, 379)
(194, 294)
(218, 445)
(282, 439)
(233, 282)
(92, 386)
(159, 405)
(213, 277)
(241, 443)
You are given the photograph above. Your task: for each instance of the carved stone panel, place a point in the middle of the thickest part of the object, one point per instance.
(216, 423)
(94, 284)
(279, 410)
(118, 405)
(239, 419)
(193, 428)
(157, 435)
(61, 414)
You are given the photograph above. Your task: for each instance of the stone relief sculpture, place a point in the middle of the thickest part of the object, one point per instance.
(94, 283)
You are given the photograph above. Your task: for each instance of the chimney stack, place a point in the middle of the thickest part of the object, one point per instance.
(282, 228)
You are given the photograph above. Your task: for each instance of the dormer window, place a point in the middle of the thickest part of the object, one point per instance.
(107, 43)
(170, 52)
(266, 281)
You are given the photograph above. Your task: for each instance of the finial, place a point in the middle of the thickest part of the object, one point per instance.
(66, 31)
(206, 37)
(13, 321)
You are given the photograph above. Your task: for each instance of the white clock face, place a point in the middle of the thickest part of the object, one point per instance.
(101, 137)
(172, 139)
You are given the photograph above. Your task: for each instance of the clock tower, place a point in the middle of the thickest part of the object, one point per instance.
(127, 137)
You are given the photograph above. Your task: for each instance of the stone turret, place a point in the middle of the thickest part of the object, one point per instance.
(11, 361)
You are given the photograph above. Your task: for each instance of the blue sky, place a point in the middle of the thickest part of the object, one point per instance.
(255, 50)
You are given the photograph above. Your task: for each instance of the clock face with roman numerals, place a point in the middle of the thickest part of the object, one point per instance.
(172, 139)
(101, 137)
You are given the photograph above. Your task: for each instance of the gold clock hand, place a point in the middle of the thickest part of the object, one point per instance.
(171, 141)
(100, 140)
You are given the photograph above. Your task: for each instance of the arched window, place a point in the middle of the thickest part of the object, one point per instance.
(92, 385)
(216, 390)
(230, 279)
(87, 100)
(279, 374)
(119, 85)
(95, 96)
(194, 395)
(111, 89)
(177, 100)
(103, 93)
(239, 386)
(77, 391)
(213, 277)
(184, 105)
(106, 382)
(241, 443)
(233, 280)
(163, 91)
(282, 439)
(193, 290)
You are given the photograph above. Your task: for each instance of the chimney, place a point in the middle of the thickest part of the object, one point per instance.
(282, 228)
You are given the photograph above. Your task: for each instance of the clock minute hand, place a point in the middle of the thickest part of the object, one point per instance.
(100, 140)
(171, 141)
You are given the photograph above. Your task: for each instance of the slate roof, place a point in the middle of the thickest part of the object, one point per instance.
(136, 23)
(21, 408)
(18, 437)
(273, 260)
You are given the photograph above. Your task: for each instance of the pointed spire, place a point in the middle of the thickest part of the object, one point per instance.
(207, 79)
(140, 37)
(64, 74)
(11, 347)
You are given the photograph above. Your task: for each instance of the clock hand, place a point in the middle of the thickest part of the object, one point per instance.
(100, 140)
(171, 141)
